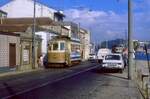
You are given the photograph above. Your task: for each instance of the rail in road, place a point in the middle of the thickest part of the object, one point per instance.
(91, 84)
(73, 71)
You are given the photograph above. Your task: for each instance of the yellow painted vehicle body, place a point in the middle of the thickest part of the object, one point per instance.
(56, 57)
(60, 52)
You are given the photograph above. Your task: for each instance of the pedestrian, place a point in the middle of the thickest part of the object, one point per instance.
(40, 61)
(125, 56)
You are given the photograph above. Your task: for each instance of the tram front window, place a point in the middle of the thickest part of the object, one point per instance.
(55, 46)
(62, 46)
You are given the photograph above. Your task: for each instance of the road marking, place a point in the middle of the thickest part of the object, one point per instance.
(50, 82)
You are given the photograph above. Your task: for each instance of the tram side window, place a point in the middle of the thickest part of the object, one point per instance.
(62, 46)
(55, 46)
(50, 48)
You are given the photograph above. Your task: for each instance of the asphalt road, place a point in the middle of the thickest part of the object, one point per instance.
(19, 83)
(92, 84)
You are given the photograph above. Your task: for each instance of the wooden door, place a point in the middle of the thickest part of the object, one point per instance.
(12, 54)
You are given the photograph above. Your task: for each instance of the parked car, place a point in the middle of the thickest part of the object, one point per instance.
(92, 57)
(113, 61)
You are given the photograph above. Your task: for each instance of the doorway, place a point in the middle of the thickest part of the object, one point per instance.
(12, 55)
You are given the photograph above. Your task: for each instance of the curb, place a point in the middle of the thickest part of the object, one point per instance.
(17, 72)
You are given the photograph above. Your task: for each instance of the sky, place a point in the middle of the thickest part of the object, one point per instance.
(106, 19)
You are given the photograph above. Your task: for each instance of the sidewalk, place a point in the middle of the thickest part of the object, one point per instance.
(116, 87)
(6, 69)
(142, 77)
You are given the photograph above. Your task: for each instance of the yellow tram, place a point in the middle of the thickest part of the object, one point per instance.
(62, 51)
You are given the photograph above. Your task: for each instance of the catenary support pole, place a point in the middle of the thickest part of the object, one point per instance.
(130, 42)
(33, 36)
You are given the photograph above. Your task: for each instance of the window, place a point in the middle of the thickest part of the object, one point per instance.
(26, 54)
(75, 47)
(62, 46)
(55, 46)
(112, 57)
(49, 47)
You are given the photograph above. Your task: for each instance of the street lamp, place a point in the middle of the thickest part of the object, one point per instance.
(33, 36)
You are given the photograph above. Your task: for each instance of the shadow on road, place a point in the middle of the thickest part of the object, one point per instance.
(103, 70)
(10, 91)
(110, 72)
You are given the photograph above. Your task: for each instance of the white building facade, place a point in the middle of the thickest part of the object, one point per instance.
(25, 8)
(46, 37)
(85, 43)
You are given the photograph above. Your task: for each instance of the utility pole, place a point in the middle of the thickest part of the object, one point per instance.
(78, 29)
(33, 36)
(126, 38)
(130, 42)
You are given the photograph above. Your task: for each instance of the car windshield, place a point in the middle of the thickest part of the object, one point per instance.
(112, 57)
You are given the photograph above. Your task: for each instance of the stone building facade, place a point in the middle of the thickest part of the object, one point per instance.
(9, 49)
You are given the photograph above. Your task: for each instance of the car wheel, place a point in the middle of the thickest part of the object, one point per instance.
(121, 71)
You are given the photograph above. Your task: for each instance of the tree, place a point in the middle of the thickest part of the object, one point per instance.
(136, 45)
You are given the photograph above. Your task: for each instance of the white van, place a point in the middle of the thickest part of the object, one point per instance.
(102, 53)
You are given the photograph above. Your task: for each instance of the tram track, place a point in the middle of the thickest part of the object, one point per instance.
(67, 76)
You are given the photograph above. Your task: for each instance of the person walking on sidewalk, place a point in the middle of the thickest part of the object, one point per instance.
(40, 61)
(125, 56)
